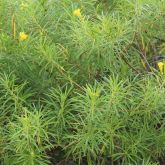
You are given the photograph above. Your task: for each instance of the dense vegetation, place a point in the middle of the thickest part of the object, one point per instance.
(82, 81)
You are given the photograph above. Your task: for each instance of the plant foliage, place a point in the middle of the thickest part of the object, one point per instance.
(82, 81)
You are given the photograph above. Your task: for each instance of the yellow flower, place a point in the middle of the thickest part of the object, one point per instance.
(77, 13)
(161, 67)
(22, 36)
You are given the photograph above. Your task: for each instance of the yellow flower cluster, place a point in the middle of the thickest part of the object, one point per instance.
(77, 13)
(161, 67)
(22, 36)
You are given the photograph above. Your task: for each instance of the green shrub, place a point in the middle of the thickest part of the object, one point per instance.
(82, 81)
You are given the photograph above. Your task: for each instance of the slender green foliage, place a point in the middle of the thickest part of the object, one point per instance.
(82, 81)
